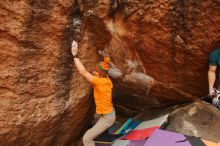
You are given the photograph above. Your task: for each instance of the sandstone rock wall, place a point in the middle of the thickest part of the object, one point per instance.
(158, 49)
(43, 100)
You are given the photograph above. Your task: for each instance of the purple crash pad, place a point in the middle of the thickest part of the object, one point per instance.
(129, 143)
(136, 142)
(166, 138)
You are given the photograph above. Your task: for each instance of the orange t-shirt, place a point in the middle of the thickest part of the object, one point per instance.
(103, 95)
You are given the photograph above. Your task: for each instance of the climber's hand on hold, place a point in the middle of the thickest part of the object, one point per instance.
(74, 48)
(102, 54)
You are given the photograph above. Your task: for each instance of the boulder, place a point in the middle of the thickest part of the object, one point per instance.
(44, 101)
(159, 49)
(196, 119)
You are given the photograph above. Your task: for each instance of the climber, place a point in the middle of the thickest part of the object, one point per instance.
(102, 86)
(214, 62)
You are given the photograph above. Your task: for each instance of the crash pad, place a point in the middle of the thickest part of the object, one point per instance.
(129, 125)
(140, 134)
(106, 138)
(129, 143)
(123, 127)
(194, 141)
(114, 127)
(159, 121)
(166, 138)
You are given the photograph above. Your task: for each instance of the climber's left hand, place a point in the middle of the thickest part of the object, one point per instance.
(74, 48)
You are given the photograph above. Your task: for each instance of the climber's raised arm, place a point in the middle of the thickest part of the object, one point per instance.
(102, 89)
(79, 64)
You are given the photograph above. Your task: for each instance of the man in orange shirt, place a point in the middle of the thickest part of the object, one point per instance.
(102, 86)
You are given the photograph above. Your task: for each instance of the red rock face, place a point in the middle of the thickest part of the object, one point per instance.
(159, 52)
(159, 48)
(44, 101)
